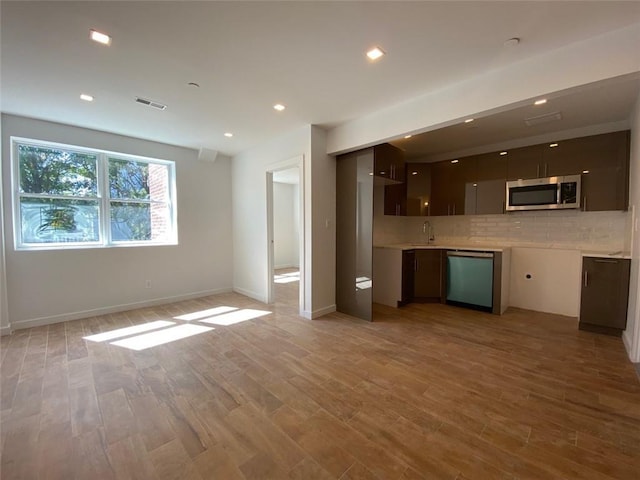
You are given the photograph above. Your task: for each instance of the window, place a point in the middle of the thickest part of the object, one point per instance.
(67, 196)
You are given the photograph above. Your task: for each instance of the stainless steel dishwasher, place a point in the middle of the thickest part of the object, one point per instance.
(470, 279)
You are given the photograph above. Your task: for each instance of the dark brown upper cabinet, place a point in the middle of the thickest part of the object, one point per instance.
(389, 168)
(524, 162)
(418, 189)
(389, 162)
(603, 161)
(450, 184)
(490, 185)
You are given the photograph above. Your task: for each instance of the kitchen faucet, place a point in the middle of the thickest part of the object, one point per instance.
(427, 229)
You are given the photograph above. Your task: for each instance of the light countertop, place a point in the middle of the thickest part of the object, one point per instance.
(489, 248)
(586, 253)
(437, 246)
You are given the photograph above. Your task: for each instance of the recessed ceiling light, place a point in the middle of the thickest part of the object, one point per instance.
(86, 98)
(228, 134)
(414, 173)
(503, 153)
(371, 173)
(375, 53)
(279, 107)
(469, 120)
(552, 145)
(542, 101)
(455, 161)
(99, 37)
(585, 171)
(408, 136)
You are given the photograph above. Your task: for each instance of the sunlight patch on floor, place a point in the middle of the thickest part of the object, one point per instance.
(238, 316)
(211, 312)
(159, 332)
(287, 277)
(125, 332)
(160, 337)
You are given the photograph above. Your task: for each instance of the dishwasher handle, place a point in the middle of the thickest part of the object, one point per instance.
(458, 253)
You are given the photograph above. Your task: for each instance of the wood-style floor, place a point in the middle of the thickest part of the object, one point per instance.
(425, 392)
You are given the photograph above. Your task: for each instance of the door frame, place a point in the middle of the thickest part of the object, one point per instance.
(294, 162)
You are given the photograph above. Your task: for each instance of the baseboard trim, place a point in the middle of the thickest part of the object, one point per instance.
(322, 311)
(250, 294)
(627, 340)
(5, 331)
(65, 317)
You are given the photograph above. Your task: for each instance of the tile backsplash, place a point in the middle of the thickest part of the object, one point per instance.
(597, 231)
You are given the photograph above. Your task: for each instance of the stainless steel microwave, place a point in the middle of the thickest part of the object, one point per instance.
(544, 193)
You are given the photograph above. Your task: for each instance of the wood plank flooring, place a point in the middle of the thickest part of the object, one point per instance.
(424, 392)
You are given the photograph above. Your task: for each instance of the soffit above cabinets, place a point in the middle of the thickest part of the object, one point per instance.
(596, 108)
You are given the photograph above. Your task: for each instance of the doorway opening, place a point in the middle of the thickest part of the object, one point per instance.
(285, 231)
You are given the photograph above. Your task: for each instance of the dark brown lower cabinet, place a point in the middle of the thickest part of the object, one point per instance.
(422, 276)
(605, 293)
(427, 276)
(408, 262)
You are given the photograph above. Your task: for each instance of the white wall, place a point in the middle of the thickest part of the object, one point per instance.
(55, 285)
(598, 58)
(631, 335)
(249, 170)
(250, 218)
(286, 245)
(554, 286)
(5, 327)
(323, 199)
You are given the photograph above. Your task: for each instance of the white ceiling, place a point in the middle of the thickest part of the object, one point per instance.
(247, 56)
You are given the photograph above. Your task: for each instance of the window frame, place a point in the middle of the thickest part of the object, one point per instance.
(102, 197)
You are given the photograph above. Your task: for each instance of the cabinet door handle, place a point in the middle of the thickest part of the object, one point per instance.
(538, 170)
(415, 264)
(546, 169)
(584, 204)
(605, 260)
(454, 208)
(586, 278)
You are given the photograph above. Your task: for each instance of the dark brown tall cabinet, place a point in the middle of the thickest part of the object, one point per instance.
(605, 292)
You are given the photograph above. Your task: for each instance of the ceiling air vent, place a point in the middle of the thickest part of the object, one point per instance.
(150, 103)
(546, 118)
